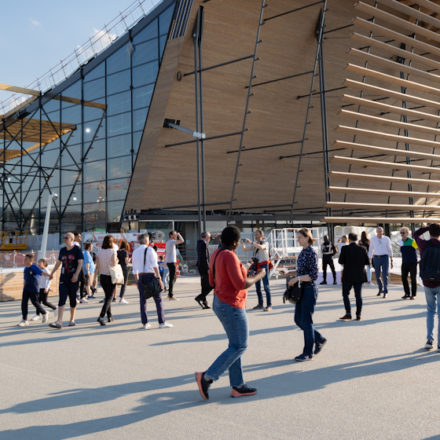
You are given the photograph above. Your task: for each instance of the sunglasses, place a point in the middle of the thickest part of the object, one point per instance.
(403, 233)
(66, 238)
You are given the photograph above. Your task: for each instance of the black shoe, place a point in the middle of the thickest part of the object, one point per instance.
(358, 318)
(114, 300)
(412, 297)
(429, 344)
(303, 358)
(101, 321)
(203, 385)
(385, 295)
(205, 305)
(100, 302)
(110, 319)
(199, 302)
(323, 282)
(405, 297)
(345, 318)
(258, 307)
(379, 293)
(319, 346)
(242, 391)
(334, 283)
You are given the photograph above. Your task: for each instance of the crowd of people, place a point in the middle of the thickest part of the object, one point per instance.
(224, 273)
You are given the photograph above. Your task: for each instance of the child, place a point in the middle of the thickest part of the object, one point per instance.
(161, 265)
(44, 287)
(30, 290)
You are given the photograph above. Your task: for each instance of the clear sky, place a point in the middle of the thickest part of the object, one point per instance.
(36, 34)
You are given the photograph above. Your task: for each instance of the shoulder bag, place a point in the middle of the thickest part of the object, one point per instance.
(149, 287)
(117, 274)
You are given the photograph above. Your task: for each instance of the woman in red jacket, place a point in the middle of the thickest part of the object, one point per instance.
(228, 276)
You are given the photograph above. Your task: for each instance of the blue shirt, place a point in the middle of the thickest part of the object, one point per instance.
(88, 259)
(161, 268)
(307, 263)
(31, 275)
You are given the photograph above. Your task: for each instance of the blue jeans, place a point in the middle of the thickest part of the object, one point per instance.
(266, 288)
(235, 323)
(304, 318)
(380, 263)
(432, 303)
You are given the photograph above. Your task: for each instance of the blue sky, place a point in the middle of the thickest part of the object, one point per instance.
(36, 35)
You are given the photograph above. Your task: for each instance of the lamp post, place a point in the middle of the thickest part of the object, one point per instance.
(42, 252)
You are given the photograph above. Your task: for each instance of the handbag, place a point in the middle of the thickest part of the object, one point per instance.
(150, 287)
(116, 274)
(293, 294)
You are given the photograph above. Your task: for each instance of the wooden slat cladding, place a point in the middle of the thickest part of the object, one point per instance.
(390, 130)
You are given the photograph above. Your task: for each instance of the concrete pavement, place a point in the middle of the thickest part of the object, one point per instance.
(372, 380)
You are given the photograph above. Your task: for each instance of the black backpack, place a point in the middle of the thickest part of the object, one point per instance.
(430, 262)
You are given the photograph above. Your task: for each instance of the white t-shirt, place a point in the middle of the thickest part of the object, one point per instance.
(170, 251)
(137, 259)
(44, 282)
(105, 257)
(262, 254)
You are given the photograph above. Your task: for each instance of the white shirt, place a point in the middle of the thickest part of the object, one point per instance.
(170, 251)
(44, 282)
(380, 246)
(137, 259)
(262, 254)
(105, 257)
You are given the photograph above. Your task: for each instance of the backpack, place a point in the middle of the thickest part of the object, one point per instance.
(430, 262)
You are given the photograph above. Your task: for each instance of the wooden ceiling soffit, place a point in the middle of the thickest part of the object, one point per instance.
(395, 36)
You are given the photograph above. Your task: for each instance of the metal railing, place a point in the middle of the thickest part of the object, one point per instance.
(16, 259)
(82, 53)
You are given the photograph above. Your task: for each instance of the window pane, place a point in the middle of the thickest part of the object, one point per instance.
(119, 167)
(147, 33)
(72, 114)
(69, 177)
(94, 171)
(71, 155)
(117, 189)
(142, 96)
(115, 211)
(119, 60)
(94, 89)
(94, 192)
(119, 145)
(97, 72)
(139, 117)
(97, 150)
(92, 113)
(118, 103)
(162, 42)
(145, 74)
(74, 91)
(71, 198)
(118, 82)
(119, 124)
(145, 52)
(136, 140)
(165, 20)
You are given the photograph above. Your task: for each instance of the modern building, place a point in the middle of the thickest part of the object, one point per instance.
(259, 87)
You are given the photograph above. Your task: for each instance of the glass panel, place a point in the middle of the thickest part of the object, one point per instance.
(97, 151)
(52, 105)
(94, 214)
(136, 140)
(118, 82)
(49, 158)
(92, 113)
(94, 192)
(147, 33)
(94, 171)
(165, 20)
(90, 131)
(70, 198)
(142, 96)
(119, 124)
(72, 114)
(74, 91)
(139, 117)
(70, 156)
(94, 89)
(119, 145)
(72, 219)
(145, 52)
(118, 103)
(145, 74)
(69, 177)
(117, 189)
(119, 60)
(115, 211)
(162, 42)
(95, 73)
(119, 167)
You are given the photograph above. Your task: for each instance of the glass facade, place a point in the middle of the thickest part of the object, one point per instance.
(81, 139)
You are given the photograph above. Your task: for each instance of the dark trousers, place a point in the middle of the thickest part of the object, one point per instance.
(172, 277)
(206, 287)
(125, 272)
(346, 287)
(30, 295)
(42, 297)
(304, 318)
(327, 260)
(109, 287)
(143, 303)
(82, 284)
(410, 268)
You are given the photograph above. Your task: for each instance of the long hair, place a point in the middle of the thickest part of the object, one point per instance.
(364, 237)
(107, 243)
(307, 233)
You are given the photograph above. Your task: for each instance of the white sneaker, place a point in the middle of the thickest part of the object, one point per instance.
(23, 323)
(123, 301)
(45, 317)
(166, 325)
(36, 318)
(83, 301)
(146, 326)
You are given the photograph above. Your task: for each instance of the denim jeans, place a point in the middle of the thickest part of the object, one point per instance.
(304, 318)
(266, 288)
(235, 323)
(380, 264)
(432, 303)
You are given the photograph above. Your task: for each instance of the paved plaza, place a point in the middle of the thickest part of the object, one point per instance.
(372, 380)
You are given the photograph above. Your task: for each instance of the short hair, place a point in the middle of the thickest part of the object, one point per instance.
(379, 227)
(87, 246)
(30, 256)
(229, 235)
(404, 228)
(434, 230)
(307, 233)
(142, 238)
(76, 234)
(107, 243)
(204, 234)
(171, 233)
(43, 261)
(352, 236)
(260, 231)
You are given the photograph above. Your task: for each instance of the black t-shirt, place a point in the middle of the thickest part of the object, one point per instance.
(69, 262)
(122, 255)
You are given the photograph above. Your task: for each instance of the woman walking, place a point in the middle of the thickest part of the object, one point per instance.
(106, 259)
(123, 261)
(307, 273)
(228, 276)
(365, 243)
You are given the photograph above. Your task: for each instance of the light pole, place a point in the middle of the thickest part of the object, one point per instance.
(42, 252)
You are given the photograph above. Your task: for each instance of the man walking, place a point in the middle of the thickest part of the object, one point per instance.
(354, 258)
(408, 248)
(203, 268)
(145, 266)
(171, 259)
(70, 259)
(380, 254)
(430, 274)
